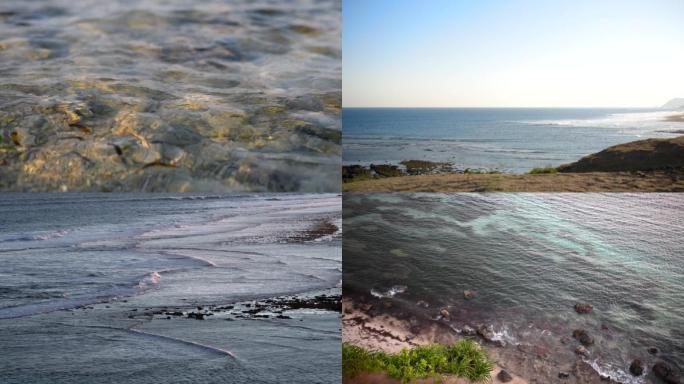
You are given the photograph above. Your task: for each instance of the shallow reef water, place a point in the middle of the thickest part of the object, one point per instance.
(176, 95)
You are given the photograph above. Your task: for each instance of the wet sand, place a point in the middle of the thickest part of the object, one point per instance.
(654, 181)
(364, 325)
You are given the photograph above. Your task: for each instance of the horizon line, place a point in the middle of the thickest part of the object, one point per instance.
(503, 107)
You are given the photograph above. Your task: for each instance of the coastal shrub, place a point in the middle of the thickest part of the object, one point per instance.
(356, 360)
(536, 171)
(464, 359)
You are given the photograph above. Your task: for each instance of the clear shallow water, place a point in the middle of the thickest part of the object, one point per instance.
(505, 139)
(75, 267)
(530, 258)
(180, 95)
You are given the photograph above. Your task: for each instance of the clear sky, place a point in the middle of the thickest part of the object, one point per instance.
(512, 53)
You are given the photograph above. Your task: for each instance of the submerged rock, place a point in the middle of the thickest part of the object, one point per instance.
(583, 308)
(636, 368)
(665, 373)
(468, 294)
(583, 337)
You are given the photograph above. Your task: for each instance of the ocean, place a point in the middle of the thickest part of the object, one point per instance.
(170, 95)
(529, 258)
(504, 139)
(103, 288)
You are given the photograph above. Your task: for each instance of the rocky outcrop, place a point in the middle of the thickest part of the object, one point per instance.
(642, 155)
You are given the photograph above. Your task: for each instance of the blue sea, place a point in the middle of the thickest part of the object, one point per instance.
(505, 139)
(87, 281)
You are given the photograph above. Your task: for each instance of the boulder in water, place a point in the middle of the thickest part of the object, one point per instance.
(636, 368)
(665, 373)
(583, 337)
(445, 314)
(486, 332)
(468, 330)
(581, 350)
(583, 308)
(468, 294)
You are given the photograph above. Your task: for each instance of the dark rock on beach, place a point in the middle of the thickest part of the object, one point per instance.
(504, 376)
(386, 170)
(351, 172)
(563, 375)
(419, 167)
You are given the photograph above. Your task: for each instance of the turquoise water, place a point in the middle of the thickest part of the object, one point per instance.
(530, 258)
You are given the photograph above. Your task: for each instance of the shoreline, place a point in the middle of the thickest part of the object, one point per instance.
(650, 165)
(366, 324)
(638, 181)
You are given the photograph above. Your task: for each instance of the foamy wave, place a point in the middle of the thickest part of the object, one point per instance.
(37, 237)
(504, 335)
(615, 373)
(634, 120)
(394, 290)
(151, 279)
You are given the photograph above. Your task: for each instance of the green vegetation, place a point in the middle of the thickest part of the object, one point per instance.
(464, 359)
(536, 171)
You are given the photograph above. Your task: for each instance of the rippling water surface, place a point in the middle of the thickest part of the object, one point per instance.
(87, 281)
(174, 95)
(504, 139)
(530, 258)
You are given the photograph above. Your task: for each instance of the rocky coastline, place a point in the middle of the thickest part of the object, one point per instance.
(389, 325)
(652, 165)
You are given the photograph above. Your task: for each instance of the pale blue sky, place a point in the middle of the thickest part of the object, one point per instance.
(512, 53)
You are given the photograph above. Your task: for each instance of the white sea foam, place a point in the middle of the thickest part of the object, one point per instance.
(615, 373)
(391, 292)
(639, 121)
(152, 279)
